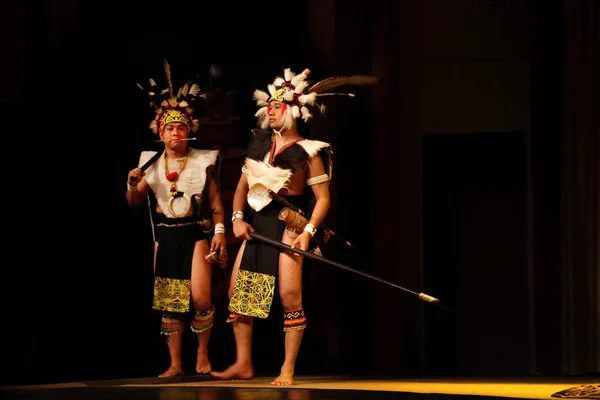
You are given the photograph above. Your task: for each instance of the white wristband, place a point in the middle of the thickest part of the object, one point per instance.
(236, 215)
(131, 188)
(310, 228)
(219, 228)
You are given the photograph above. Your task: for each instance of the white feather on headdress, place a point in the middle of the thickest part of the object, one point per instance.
(306, 115)
(261, 114)
(295, 111)
(195, 90)
(287, 74)
(184, 90)
(296, 79)
(259, 95)
(300, 87)
(307, 98)
(289, 96)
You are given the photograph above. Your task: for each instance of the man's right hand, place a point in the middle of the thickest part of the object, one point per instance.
(241, 229)
(135, 176)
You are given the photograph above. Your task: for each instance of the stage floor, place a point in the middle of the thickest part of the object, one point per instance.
(310, 388)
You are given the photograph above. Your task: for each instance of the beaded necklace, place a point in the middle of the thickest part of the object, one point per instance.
(173, 176)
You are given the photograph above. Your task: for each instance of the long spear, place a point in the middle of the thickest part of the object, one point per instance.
(425, 297)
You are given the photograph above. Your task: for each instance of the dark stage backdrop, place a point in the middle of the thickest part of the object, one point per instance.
(475, 252)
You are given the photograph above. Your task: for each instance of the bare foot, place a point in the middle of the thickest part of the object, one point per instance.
(203, 364)
(285, 378)
(172, 371)
(236, 371)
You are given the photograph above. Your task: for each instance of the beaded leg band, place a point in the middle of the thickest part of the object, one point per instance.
(294, 320)
(203, 320)
(170, 323)
(233, 317)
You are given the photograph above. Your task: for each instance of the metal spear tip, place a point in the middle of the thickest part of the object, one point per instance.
(440, 305)
(434, 301)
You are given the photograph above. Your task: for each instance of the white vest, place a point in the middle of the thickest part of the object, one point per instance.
(191, 180)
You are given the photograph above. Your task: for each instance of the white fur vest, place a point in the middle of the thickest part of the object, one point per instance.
(191, 180)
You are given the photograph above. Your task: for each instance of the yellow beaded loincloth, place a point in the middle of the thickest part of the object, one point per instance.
(252, 294)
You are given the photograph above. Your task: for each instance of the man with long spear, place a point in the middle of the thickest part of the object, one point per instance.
(279, 163)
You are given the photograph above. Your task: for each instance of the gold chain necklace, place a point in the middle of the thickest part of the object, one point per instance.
(173, 176)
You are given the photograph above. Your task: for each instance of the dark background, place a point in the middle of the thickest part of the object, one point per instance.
(470, 173)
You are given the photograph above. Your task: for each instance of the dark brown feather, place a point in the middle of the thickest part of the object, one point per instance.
(337, 81)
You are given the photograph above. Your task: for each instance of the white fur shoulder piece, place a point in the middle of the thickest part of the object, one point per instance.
(273, 178)
(145, 156)
(312, 147)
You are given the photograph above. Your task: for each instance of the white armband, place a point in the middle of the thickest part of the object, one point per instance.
(310, 228)
(219, 228)
(315, 180)
(236, 215)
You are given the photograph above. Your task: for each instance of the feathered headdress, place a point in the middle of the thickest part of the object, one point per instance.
(294, 90)
(170, 107)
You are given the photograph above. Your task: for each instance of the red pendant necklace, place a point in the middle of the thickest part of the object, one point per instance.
(173, 176)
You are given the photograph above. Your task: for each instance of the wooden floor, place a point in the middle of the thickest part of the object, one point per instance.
(311, 388)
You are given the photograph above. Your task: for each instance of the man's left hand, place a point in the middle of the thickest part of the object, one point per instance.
(219, 244)
(302, 241)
